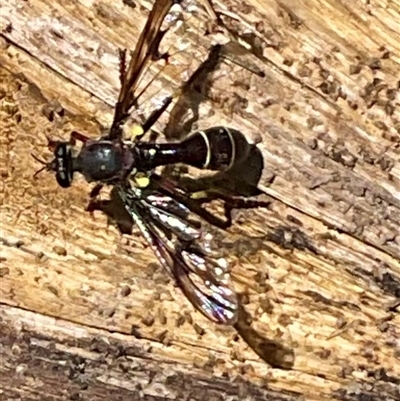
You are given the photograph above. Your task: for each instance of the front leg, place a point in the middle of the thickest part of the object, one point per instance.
(113, 208)
(93, 202)
(77, 136)
(95, 192)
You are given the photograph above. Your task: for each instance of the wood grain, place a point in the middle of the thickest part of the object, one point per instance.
(88, 314)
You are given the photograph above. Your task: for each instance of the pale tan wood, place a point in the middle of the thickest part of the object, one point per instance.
(335, 176)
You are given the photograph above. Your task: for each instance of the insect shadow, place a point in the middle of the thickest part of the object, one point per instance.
(191, 95)
(272, 352)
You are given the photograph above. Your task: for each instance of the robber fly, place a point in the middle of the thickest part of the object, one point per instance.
(181, 246)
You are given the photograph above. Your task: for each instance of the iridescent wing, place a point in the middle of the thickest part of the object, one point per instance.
(145, 51)
(185, 251)
(176, 32)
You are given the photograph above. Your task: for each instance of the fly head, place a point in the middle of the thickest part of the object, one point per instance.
(62, 164)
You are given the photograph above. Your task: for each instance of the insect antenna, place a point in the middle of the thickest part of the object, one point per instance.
(46, 165)
(49, 166)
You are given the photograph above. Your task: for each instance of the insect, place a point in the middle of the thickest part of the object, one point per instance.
(155, 205)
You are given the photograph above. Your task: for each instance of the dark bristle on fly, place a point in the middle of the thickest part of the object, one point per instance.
(160, 210)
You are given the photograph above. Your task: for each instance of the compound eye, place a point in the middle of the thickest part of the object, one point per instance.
(63, 165)
(64, 180)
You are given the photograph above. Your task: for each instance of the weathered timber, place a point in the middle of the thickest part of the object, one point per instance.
(88, 314)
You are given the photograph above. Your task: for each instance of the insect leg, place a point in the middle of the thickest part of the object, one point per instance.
(229, 202)
(156, 114)
(94, 204)
(77, 136)
(95, 192)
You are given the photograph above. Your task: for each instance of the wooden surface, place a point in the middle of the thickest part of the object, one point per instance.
(88, 315)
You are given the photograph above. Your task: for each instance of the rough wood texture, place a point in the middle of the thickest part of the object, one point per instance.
(86, 314)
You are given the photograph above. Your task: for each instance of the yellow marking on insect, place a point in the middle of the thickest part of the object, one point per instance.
(209, 193)
(136, 130)
(199, 195)
(142, 180)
